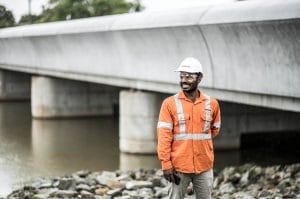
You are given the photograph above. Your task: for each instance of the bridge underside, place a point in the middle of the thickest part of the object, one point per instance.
(138, 110)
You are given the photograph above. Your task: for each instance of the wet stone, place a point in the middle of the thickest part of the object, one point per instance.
(105, 177)
(101, 191)
(83, 187)
(86, 195)
(227, 188)
(113, 184)
(161, 192)
(114, 192)
(138, 184)
(83, 173)
(64, 194)
(66, 183)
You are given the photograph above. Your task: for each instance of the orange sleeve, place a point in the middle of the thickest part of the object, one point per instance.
(165, 135)
(216, 118)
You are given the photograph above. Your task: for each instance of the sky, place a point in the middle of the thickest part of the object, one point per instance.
(20, 7)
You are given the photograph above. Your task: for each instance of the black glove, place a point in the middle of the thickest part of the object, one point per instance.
(172, 176)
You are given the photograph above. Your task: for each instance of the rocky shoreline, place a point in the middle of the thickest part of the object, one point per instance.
(242, 182)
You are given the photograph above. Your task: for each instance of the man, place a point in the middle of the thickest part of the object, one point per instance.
(187, 123)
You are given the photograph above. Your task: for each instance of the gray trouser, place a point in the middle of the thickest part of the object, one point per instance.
(202, 185)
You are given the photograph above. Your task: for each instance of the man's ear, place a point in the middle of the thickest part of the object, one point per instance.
(200, 77)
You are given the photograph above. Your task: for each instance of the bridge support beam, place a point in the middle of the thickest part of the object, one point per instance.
(14, 86)
(52, 98)
(138, 118)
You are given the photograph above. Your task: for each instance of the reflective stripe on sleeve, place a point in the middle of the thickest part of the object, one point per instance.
(216, 125)
(207, 114)
(198, 136)
(181, 119)
(165, 125)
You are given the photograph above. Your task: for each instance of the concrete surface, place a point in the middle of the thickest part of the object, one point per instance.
(53, 98)
(138, 120)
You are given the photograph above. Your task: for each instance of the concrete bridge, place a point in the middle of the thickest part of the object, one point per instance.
(250, 52)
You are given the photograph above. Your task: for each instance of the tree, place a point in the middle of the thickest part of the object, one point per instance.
(59, 10)
(28, 19)
(6, 17)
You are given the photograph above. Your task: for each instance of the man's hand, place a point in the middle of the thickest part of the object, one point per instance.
(169, 175)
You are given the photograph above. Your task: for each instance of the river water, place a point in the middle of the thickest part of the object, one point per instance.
(31, 148)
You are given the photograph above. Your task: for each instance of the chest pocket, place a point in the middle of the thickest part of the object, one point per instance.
(180, 121)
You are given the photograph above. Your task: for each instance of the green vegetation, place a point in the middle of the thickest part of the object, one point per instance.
(6, 17)
(59, 10)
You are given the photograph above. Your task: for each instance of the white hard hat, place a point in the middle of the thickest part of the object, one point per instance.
(190, 65)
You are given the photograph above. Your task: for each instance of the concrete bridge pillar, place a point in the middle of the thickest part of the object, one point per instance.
(52, 97)
(14, 86)
(138, 119)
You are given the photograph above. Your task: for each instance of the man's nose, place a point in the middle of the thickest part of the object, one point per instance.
(183, 80)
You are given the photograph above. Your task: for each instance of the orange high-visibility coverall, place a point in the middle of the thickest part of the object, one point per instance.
(185, 137)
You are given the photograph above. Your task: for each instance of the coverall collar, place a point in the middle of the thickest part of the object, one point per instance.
(198, 100)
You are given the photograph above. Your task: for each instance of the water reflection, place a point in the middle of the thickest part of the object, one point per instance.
(70, 145)
(15, 139)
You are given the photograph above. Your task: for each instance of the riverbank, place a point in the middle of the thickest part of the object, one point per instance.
(242, 182)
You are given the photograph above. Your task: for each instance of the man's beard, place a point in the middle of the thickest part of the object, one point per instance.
(190, 88)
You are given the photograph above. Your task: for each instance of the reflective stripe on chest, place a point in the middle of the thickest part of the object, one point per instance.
(183, 135)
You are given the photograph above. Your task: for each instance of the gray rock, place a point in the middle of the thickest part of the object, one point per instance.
(67, 184)
(40, 196)
(216, 182)
(41, 184)
(138, 184)
(83, 173)
(102, 197)
(114, 192)
(105, 177)
(113, 184)
(64, 194)
(124, 197)
(55, 183)
(139, 193)
(226, 196)
(86, 195)
(243, 195)
(156, 181)
(254, 189)
(47, 192)
(91, 179)
(145, 193)
(131, 193)
(79, 180)
(83, 187)
(159, 173)
(227, 188)
(227, 172)
(124, 177)
(244, 179)
(161, 192)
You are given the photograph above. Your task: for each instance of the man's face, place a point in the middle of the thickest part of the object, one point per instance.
(189, 81)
